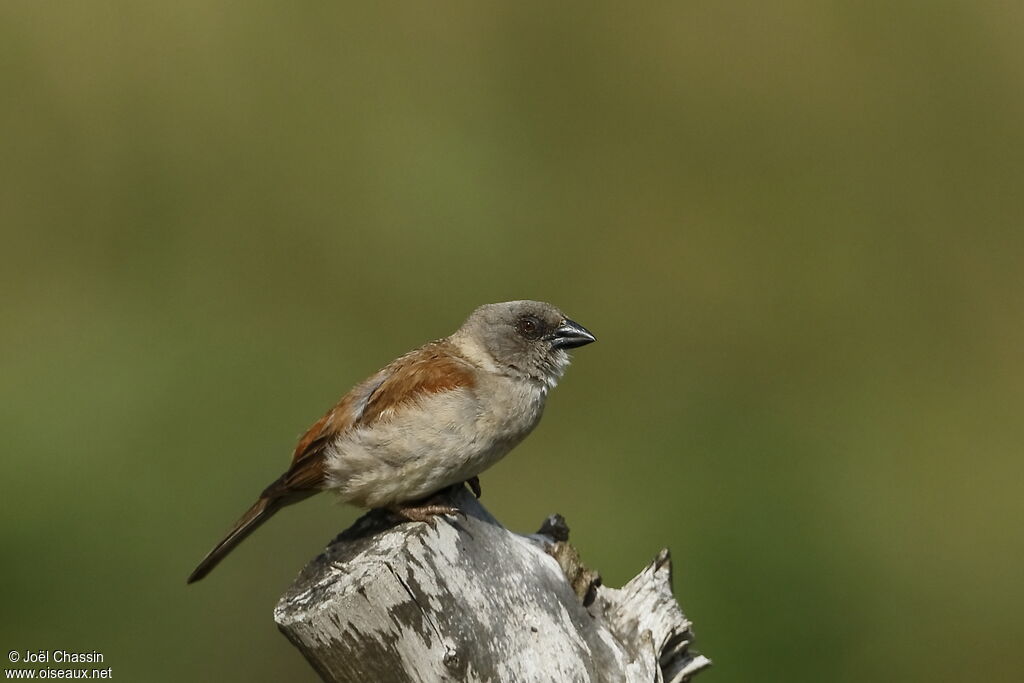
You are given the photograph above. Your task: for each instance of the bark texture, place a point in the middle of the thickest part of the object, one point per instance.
(464, 599)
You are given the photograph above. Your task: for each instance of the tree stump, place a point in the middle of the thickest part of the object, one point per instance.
(464, 599)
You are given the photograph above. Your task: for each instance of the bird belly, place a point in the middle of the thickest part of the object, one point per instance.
(441, 440)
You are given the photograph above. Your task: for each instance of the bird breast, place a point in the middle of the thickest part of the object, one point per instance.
(439, 440)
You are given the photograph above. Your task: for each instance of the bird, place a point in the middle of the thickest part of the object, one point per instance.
(431, 419)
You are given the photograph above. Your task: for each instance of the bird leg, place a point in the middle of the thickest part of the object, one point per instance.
(422, 511)
(426, 509)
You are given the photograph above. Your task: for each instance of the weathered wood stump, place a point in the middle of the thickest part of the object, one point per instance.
(464, 599)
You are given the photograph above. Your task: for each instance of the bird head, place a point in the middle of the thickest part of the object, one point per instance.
(528, 339)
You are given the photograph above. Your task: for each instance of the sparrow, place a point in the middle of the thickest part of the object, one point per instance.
(434, 418)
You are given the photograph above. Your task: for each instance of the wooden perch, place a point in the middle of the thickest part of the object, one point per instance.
(464, 599)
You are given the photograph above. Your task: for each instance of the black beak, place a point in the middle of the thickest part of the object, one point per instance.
(570, 335)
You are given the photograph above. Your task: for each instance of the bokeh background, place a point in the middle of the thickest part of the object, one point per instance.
(796, 230)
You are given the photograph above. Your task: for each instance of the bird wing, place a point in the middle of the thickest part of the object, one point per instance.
(430, 369)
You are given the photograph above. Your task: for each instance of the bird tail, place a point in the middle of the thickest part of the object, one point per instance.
(262, 510)
(303, 479)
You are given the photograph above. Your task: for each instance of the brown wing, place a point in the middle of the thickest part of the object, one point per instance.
(306, 472)
(432, 368)
(429, 369)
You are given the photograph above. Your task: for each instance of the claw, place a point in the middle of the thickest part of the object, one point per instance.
(474, 486)
(424, 513)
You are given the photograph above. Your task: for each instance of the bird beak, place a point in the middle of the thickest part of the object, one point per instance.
(571, 334)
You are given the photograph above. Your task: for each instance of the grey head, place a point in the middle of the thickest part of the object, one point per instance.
(525, 338)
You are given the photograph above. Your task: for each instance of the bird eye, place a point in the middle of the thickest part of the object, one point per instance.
(529, 327)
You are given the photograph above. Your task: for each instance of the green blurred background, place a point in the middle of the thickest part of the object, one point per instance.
(796, 230)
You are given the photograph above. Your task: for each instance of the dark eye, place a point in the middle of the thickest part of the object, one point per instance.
(529, 327)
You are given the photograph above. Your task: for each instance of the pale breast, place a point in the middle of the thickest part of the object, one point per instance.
(439, 440)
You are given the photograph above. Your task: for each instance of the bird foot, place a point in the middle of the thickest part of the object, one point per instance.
(424, 513)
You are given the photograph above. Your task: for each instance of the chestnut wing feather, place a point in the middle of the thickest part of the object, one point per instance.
(430, 369)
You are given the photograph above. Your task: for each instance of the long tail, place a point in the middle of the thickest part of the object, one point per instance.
(302, 480)
(262, 510)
